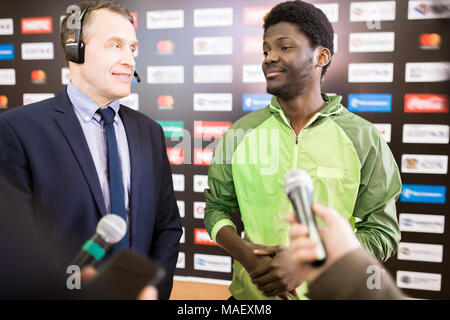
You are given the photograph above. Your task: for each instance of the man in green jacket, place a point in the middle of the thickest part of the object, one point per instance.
(350, 164)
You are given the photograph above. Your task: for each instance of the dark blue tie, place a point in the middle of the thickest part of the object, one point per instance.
(116, 190)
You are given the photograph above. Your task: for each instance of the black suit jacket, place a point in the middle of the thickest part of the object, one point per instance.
(48, 177)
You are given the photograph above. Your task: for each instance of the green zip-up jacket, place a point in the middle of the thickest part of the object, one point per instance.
(352, 168)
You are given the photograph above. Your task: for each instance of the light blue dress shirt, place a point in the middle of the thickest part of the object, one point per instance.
(92, 125)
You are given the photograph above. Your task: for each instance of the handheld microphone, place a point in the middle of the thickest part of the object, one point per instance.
(110, 230)
(299, 187)
(137, 76)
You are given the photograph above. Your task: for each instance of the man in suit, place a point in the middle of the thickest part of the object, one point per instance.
(67, 161)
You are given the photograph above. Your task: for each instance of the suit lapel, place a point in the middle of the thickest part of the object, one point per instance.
(70, 126)
(134, 147)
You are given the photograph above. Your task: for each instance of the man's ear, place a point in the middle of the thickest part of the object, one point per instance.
(322, 57)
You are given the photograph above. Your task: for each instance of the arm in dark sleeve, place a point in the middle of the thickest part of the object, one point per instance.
(167, 232)
(355, 276)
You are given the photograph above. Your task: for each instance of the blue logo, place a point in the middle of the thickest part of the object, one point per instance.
(6, 52)
(423, 193)
(255, 101)
(370, 102)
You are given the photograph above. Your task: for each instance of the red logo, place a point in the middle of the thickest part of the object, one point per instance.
(201, 236)
(165, 102)
(3, 101)
(37, 25)
(430, 41)
(175, 155)
(203, 157)
(135, 19)
(426, 103)
(252, 45)
(165, 47)
(38, 77)
(210, 129)
(255, 15)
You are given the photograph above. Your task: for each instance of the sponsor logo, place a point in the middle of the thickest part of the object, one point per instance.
(203, 157)
(36, 97)
(255, 15)
(423, 193)
(65, 76)
(213, 74)
(3, 102)
(210, 129)
(201, 236)
(165, 74)
(165, 47)
(38, 76)
(176, 156)
(37, 25)
(424, 163)
(200, 183)
(199, 209)
(331, 10)
(165, 19)
(370, 102)
(165, 102)
(422, 223)
(181, 261)
(217, 17)
(135, 19)
(371, 42)
(419, 280)
(255, 101)
(172, 129)
(213, 45)
(252, 45)
(213, 101)
(7, 77)
(425, 133)
(181, 208)
(37, 51)
(427, 71)
(429, 103)
(372, 11)
(385, 130)
(435, 9)
(420, 252)
(6, 26)
(6, 52)
(178, 182)
(252, 73)
(370, 72)
(131, 101)
(214, 263)
(429, 41)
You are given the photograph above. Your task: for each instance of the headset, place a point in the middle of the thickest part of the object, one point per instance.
(74, 50)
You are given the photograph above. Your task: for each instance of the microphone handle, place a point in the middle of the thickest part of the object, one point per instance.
(301, 200)
(92, 251)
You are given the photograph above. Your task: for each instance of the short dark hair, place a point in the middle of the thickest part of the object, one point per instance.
(67, 33)
(309, 19)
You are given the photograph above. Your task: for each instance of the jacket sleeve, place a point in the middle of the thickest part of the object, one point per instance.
(16, 191)
(355, 276)
(380, 186)
(221, 200)
(167, 231)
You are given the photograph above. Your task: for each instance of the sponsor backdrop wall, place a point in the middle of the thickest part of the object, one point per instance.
(200, 65)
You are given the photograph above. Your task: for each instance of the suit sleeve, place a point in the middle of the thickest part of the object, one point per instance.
(167, 232)
(355, 276)
(16, 191)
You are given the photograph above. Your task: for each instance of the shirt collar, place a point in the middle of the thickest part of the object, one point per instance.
(85, 105)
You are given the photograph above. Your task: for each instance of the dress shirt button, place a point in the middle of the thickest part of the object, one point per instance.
(87, 118)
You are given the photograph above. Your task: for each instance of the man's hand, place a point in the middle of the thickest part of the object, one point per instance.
(338, 238)
(278, 276)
